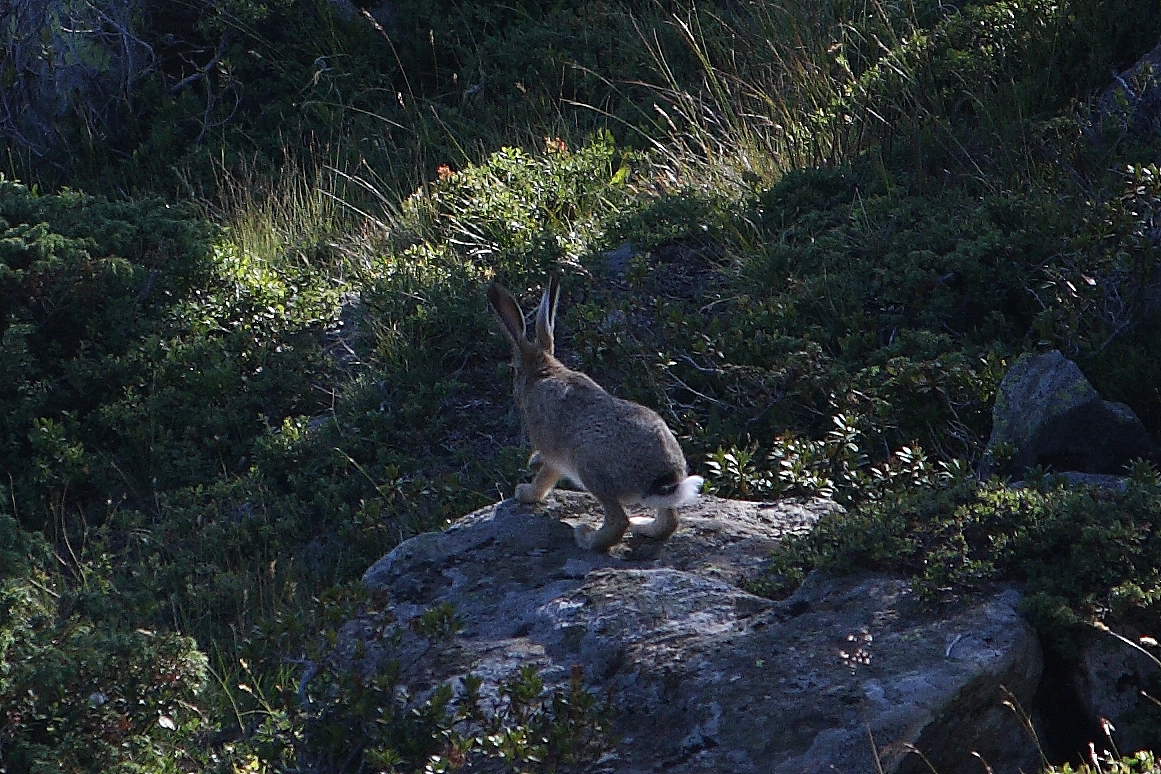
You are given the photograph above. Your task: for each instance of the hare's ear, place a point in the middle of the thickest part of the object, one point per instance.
(546, 313)
(509, 313)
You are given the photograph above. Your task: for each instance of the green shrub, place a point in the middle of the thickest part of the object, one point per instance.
(1143, 762)
(80, 692)
(352, 723)
(140, 358)
(991, 64)
(1080, 552)
(78, 697)
(527, 210)
(892, 308)
(1099, 298)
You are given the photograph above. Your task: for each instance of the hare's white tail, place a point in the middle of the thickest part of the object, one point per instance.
(685, 493)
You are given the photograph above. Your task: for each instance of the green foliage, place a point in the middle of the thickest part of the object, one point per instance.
(81, 694)
(77, 698)
(526, 210)
(141, 357)
(1100, 298)
(524, 58)
(893, 309)
(439, 622)
(337, 719)
(950, 68)
(835, 466)
(1143, 762)
(1080, 552)
(952, 72)
(231, 84)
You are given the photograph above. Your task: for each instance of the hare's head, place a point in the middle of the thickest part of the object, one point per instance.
(530, 358)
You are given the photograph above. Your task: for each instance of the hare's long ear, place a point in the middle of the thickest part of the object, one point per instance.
(509, 313)
(546, 314)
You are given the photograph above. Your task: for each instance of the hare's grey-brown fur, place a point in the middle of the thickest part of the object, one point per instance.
(620, 451)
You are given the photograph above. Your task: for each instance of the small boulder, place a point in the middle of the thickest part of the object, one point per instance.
(347, 341)
(1047, 413)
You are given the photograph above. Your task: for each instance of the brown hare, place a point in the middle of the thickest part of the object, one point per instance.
(619, 451)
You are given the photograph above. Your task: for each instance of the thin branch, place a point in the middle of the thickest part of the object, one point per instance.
(203, 71)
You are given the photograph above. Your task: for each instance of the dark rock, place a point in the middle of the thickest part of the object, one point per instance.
(1048, 414)
(347, 341)
(617, 260)
(1112, 674)
(1097, 437)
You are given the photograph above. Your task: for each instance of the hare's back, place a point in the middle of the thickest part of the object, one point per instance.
(604, 441)
(627, 451)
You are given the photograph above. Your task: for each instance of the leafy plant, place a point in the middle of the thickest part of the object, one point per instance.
(1073, 548)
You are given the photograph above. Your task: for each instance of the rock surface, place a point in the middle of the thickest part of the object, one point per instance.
(1132, 103)
(1111, 676)
(706, 677)
(1048, 414)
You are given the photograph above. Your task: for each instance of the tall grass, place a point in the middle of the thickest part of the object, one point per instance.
(734, 100)
(288, 217)
(742, 95)
(774, 89)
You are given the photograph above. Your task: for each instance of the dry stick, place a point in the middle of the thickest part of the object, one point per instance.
(42, 587)
(203, 71)
(916, 751)
(874, 751)
(1013, 704)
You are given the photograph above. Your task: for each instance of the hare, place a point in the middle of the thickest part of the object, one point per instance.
(619, 451)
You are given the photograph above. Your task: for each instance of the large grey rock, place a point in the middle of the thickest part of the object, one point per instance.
(705, 676)
(1047, 413)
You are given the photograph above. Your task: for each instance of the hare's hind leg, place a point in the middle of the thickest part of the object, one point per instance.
(659, 527)
(611, 532)
(544, 480)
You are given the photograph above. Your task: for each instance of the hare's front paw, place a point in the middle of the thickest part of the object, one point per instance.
(525, 493)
